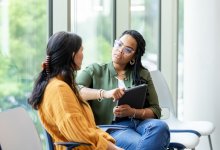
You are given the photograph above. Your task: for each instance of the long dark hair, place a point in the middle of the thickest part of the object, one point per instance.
(59, 61)
(136, 67)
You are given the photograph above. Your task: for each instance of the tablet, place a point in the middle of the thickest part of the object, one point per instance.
(135, 97)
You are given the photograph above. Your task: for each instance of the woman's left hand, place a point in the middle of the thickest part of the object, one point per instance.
(123, 111)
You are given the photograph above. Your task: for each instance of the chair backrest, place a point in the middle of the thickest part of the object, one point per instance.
(17, 131)
(49, 141)
(163, 92)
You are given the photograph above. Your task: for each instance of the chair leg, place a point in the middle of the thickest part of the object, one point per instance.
(210, 142)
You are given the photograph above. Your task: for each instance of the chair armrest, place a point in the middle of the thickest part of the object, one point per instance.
(70, 145)
(186, 130)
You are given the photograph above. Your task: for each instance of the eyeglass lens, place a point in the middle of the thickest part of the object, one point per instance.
(119, 44)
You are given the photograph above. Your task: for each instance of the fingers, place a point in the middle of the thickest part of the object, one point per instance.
(117, 112)
(118, 93)
(114, 93)
(114, 109)
(121, 111)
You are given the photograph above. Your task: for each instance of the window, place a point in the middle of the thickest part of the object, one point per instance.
(145, 18)
(93, 22)
(180, 58)
(23, 28)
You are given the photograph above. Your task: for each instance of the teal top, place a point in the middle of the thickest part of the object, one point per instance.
(104, 77)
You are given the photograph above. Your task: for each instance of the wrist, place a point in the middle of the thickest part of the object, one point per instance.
(100, 94)
(133, 115)
(143, 114)
(104, 94)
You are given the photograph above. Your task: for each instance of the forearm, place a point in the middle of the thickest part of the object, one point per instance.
(90, 94)
(143, 113)
(94, 94)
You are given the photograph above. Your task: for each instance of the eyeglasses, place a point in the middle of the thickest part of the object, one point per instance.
(126, 49)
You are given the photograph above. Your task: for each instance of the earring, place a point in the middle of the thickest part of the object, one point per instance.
(132, 62)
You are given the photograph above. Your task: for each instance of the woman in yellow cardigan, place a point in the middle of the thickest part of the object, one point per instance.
(64, 114)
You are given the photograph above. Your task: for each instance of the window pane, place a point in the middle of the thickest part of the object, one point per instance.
(180, 58)
(93, 22)
(145, 17)
(23, 36)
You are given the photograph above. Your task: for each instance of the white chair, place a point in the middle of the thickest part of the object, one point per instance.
(200, 128)
(183, 140)
(17, 132)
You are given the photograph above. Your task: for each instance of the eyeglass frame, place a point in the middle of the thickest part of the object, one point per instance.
(127, 50)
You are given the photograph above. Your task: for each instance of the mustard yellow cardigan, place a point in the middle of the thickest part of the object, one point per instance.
(66, 119)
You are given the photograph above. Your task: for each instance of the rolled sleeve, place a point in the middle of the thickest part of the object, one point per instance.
(84, 78)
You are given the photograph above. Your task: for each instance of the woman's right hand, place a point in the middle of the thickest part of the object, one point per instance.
(114, 93)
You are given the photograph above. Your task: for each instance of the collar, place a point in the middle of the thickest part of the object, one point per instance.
(114, 73)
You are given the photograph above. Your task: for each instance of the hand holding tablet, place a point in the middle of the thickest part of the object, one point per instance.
(135, 97)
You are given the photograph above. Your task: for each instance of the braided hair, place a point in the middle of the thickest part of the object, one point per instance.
(136, 67)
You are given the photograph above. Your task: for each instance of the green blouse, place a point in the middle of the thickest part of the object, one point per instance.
(104, 77)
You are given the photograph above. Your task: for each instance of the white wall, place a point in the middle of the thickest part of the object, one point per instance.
(169, 44)
(202, 65)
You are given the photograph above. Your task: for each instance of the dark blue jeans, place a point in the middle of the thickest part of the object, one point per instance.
(149, 134)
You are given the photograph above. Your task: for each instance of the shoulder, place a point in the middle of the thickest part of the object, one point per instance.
(96, 68)
(56, 85)
(55, 82)
(55, 93)
(145, 73)
(60, 92)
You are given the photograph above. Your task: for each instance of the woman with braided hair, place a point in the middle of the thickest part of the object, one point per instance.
(63, 113)
(103, 84)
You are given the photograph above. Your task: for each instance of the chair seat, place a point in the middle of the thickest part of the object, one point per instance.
(183, 140)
